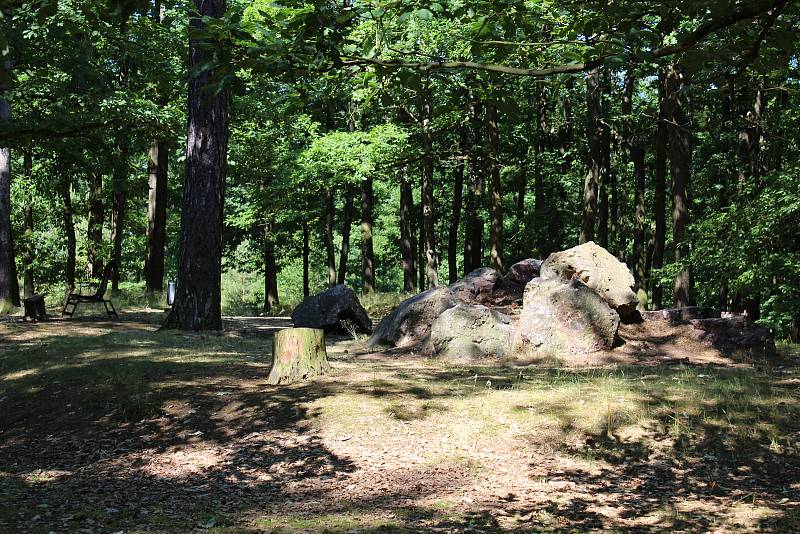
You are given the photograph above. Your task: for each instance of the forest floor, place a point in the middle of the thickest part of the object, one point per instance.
(117, 427)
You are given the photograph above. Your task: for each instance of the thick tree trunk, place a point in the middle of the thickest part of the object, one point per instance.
(197, 304)
(330, 251)
(270, 270)
(495, 189)
(9, 297)
(604, 183)
(158, 159)
(408, 249)
(428, 223)
(455, 222)
(680, 145)
(297, 354)
(347, 222)
(27, 216)
(660, 187)
(69, 230)
(594, 130)
(94, 265)
(602, 222)
(367, 252)
(306, 252)
(118, 210)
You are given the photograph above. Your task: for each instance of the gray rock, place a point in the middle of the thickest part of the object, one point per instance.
(734, 336)
(523, 271)
(477, 286)
(411, 321)
(467, 332)
(558, 317)
(326, 310)
(599, 270)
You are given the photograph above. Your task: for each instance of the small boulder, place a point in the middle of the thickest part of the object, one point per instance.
(467, 332)
(326, 310)
(411, 321)
(477, 286)
(523, 271)
(734, 336)
(599, 270)
(558, 317)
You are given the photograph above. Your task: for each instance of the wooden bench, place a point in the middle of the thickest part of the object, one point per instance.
(34, 308)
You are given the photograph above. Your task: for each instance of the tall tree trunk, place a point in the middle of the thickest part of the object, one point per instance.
(495, 189)
(198, 301)
(270, 270)
(27, 216)
(602, 222)
(118, 209)
(604, 183)
(306, 252)
(157, 166)
(455, 219)
(473, 240)
(660, 186)
(680, 148)
(347, 222)
(330, 251)
(94, 266)
(636, 154)
(614, 237)
(367, 253)
(541, 224)
(408, 249)
(594, 131)
(9, 286)
(69, 230)
(428, 226)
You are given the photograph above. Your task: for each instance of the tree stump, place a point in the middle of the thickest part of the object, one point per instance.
(297, 354)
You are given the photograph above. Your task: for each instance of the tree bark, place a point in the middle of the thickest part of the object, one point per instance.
(680, 148)
(297, 354)
(347, 222)
(69, 230)
(636, 154)
(455, 218)
(9, 298)
(27, 216)
(367, 252)
(541, 224)
(158, 160)
(495, 189)
(118, 209)
(330, 251)
(408, 248)
(270, 270)
(473, 240)
(595, 134)
(660, 187)
(198, 301)
(428, 228)
(306, 252)
(94, 266)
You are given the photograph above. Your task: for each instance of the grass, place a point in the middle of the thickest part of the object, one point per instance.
(164, 431)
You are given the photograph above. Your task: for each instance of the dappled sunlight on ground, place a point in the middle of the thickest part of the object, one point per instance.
(116, 426)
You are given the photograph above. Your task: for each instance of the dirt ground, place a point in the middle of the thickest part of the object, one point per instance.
(117, 427)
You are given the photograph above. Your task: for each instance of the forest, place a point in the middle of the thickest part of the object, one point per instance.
(395, 145)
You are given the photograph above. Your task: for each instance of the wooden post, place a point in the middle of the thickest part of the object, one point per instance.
(297, 354)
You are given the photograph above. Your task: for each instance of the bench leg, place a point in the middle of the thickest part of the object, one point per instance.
(113, 311)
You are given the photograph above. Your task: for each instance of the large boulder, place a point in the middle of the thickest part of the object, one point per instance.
(734, 336)
(599, 270)
(411, 321)
(467, 332)
(328, 309)
(564, 317)
(477, 286)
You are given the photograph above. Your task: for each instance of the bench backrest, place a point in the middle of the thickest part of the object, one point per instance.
(107, 272)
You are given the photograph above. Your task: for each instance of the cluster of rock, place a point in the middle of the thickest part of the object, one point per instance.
(572, 301)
